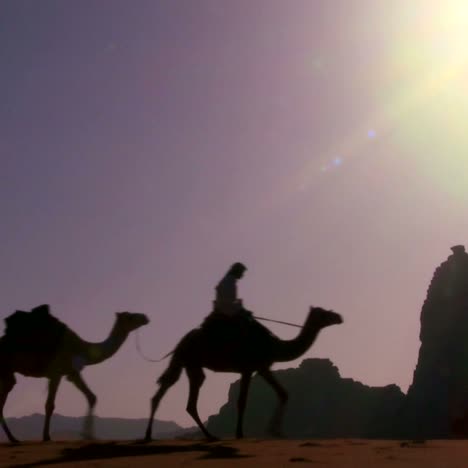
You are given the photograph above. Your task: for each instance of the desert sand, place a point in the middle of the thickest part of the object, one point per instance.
(248, 453)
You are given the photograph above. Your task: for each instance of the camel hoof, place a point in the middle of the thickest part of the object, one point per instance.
(144, 440)
(275, 433)
(148, 436)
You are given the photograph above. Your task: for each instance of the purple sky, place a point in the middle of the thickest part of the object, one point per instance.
(146, 145)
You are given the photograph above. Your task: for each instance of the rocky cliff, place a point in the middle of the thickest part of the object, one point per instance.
(438, 396)
(321, 404)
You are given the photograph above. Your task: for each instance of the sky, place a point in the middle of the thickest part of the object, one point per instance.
(147, 145)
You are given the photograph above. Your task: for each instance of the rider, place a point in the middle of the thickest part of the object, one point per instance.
(227, 303)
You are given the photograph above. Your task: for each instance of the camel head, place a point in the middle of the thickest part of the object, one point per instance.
(324, 318)
(129, 321)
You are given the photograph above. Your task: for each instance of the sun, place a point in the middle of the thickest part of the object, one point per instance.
(445, 27)
(433, 38)
(429, 101)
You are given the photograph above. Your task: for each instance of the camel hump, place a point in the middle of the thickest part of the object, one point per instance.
(14, 322)
(239, 329)
(37, 328)
(42, 311)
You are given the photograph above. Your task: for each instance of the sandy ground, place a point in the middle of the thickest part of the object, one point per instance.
(248, 453)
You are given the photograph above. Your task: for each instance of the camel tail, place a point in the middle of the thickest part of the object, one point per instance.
(166, 355)
(179, 355)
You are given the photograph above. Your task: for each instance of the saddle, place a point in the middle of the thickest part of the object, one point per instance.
(238, 328)
(37, 330)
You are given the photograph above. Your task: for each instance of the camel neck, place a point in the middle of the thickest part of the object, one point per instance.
(98, 352)
(288, 350)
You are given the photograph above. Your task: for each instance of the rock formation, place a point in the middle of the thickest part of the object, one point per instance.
(321, 404)
(438, 396)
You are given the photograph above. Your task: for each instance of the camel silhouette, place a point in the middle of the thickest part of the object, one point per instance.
(241, 349)
(70, 355)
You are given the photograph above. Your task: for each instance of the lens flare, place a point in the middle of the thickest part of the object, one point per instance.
(429, 100)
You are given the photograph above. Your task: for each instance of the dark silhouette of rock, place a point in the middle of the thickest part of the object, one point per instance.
(438, 396)
(321, 404)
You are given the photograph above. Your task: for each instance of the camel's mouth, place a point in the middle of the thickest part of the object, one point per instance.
(335, 319)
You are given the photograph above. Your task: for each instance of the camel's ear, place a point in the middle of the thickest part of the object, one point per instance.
(43, 308)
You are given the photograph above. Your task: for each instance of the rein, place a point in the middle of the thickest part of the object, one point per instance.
(278, 321)
(140, 352)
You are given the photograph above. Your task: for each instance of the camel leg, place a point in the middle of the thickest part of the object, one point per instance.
(7, 382)
(54, 383)
(241, 403)
(277, 419)
(169, 377)
(154, 406)
(80, 384)
(196, 378)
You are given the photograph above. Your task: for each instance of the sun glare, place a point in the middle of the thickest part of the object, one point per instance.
(430, 100)
(424, 99)
(446, 29)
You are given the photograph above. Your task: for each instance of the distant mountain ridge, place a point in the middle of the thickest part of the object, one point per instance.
(69, 427)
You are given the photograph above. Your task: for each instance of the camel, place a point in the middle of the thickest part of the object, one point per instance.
(250, 348)
(68, 359)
